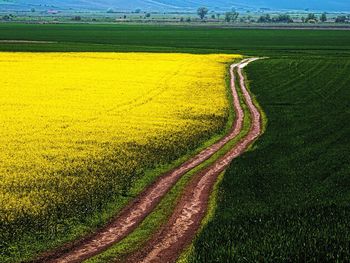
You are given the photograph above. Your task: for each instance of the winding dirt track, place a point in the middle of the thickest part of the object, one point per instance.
(169, 242)
(190, 210)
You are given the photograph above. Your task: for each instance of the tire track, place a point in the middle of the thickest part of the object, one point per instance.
(182, 226)
(131, 216)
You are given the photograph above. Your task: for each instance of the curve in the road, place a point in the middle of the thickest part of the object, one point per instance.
(185, 221)
(130, 217)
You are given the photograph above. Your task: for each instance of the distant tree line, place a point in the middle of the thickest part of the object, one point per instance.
(8, 17)
(343, 19)
(282, 18)
(310, 18)
(232, 16)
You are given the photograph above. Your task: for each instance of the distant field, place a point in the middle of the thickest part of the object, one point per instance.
(158, 38)
(79, 128)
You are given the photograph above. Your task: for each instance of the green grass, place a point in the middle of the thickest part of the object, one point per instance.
(288, 200)
(84, 37)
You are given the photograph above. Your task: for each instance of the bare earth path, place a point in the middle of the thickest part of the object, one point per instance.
(168, 243)
(144, 204)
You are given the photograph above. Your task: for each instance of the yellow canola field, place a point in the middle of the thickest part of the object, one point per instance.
(77, 128)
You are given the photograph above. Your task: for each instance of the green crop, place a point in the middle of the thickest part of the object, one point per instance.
(289, 199)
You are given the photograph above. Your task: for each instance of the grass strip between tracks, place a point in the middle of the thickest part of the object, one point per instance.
(163, 211)
(212, 206)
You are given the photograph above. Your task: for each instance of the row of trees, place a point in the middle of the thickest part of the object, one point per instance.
(232, 16)
(323, 18)
(285, 18)
(310, 18)
(282, 18)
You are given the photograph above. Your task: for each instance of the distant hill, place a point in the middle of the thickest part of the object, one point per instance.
(180, 5)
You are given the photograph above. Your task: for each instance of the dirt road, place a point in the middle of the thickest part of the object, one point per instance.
(181, 225)
(185, 221)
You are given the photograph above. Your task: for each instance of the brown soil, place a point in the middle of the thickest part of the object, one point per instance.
(169, 242)
(198, 191)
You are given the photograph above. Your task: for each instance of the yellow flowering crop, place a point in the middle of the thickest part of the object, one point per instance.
(76, 128)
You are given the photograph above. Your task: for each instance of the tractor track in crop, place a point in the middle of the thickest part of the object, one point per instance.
(166, 245)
